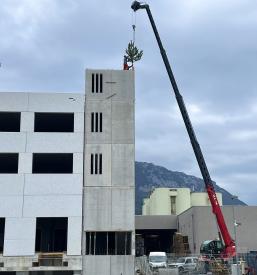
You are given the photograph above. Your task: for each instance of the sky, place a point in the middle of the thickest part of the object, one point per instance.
(212, 46)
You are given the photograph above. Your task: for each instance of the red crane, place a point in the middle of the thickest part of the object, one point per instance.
(228, 250)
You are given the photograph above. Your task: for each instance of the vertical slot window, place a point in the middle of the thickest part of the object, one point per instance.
(93, 83)
(97, 83)
(100, 164)
(96, 164)
(2, 226)
(92, 122)
(92, 164)
(101, 122)
(101, 83)
(96, 122)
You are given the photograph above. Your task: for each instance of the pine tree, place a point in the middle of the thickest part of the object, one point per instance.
(132, 53)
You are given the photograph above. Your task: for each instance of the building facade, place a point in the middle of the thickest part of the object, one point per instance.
(58, 180)
(174, 201)
(41, 176)
(109, 186)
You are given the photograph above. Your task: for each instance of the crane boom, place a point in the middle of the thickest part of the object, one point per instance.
(228, 241)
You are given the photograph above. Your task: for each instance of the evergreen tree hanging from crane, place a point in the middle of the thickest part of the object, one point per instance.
(133, 54)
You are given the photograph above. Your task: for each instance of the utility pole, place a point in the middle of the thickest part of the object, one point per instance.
(235, 224)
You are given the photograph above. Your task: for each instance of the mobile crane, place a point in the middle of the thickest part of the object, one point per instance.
(228, 249)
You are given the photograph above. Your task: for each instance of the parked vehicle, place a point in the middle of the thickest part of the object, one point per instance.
(185, 264)
(157, 260)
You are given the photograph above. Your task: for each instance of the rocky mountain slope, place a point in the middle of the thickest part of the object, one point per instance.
(149, 176)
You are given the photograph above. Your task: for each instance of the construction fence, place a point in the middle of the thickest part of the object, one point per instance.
(247, 265)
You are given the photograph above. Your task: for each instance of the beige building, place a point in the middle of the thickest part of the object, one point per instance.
(166, 201)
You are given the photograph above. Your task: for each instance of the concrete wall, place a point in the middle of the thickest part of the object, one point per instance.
(146, 222)
(159, 202)
(26, 196)
(106, 265)
(199, 224)
(202, 199)
(109, 198)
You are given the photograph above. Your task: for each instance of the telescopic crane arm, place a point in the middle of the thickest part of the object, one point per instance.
(228, 241)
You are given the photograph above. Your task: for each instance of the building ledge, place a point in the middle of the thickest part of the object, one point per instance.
(35, 263)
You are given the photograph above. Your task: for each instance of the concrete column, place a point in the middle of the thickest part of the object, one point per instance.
(77, 272)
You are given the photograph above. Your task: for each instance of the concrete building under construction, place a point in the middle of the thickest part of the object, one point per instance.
(67, 178)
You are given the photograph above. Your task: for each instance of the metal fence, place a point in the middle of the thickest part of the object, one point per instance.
(247, 265)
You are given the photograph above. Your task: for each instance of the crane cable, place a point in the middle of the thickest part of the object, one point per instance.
(133, 19)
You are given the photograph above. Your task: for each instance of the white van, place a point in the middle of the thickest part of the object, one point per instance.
(157, 260)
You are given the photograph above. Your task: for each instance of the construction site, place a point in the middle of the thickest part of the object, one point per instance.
(67, 188)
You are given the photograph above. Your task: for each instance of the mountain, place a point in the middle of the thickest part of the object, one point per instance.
(150, 176)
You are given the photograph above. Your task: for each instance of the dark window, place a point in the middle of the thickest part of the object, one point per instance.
(101, 243)
(101, 83)
(10, 121)
(2, 226)
(96, 164)
(51, 235)
(97, 83)
(108, 243)
(123, 243)
(111, 243)
(9, 163)
(92, 164)
(52, 163)
(54, 122)
(100, 164)
(96, 122)
(92, 122)
(93, 83)
(101, 122)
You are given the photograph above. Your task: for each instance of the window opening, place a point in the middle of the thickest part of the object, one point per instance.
(101, 122)
(96, 164)
(51, 234)
(2, 227)
(52, 163)
(108, 243)
(93, 83)
(173, 205)
(92, 164)
(54, 122)
(92, 122)
(101, 83)
(96, 122)
(10, 121)
(100, 164)
(9, 163)
(97, 83)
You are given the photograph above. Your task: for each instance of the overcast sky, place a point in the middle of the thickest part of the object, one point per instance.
(212, 45)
